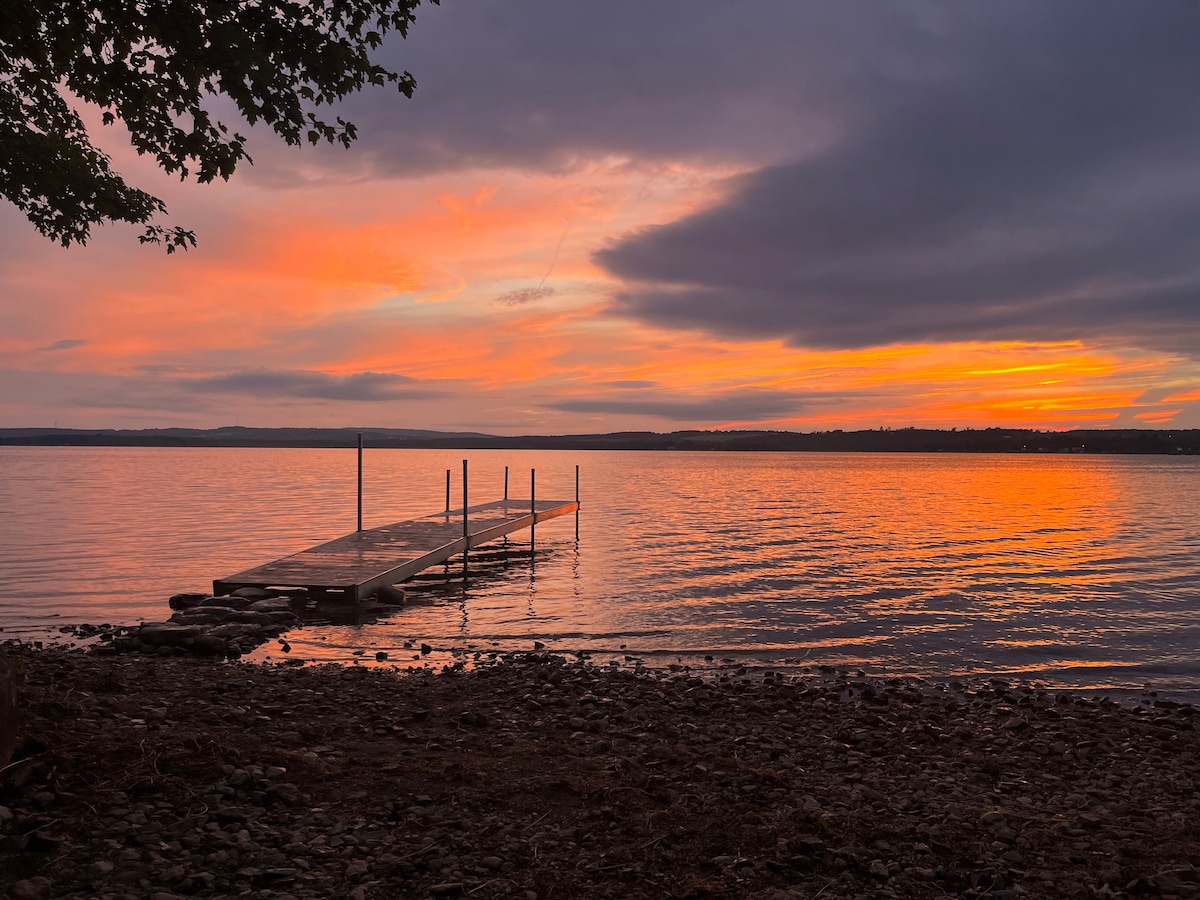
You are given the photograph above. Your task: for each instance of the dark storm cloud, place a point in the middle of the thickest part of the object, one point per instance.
(543, 83)
(1036, 178)
(922, 170)
(68, 344)
(364, 387)
(735, 406)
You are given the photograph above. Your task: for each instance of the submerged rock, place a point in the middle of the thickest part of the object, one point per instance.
(390, 595)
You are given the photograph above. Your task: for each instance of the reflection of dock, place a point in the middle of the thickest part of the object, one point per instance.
(361, 563)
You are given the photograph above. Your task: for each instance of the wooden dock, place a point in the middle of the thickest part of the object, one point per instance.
(359, 564)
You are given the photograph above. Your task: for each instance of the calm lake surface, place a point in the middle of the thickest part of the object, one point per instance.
(1076, 571)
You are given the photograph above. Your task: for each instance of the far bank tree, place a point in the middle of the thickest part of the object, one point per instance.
(158, 66)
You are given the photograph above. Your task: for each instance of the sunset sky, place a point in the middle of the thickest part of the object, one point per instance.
(660, 215)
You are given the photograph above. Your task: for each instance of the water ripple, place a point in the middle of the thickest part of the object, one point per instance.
(1083, 571)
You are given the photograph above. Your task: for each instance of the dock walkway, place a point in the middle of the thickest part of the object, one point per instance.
(361, 563)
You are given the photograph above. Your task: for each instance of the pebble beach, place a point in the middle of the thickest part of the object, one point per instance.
(535, 776)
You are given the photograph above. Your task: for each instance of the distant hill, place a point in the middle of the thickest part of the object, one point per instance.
(227, 436)
(901, 440)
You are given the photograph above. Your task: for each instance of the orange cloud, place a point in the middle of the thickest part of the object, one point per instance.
(1157, 417)
(410, 278)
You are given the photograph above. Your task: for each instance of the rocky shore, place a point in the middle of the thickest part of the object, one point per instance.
(226, 626)
(205, 625)
(530, 777)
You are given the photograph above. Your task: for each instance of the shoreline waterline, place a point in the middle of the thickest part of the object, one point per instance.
(416, 656)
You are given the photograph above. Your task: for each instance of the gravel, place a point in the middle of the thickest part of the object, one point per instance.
(532, 777)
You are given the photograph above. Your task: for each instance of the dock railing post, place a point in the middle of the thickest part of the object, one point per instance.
(506, 482)
(360, 446)
(577, 503)
(447, 490)
(532, 506)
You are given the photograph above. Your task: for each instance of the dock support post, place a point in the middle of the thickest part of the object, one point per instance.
(360, 446)
(447, 490)
(506, 499)
(466, 531)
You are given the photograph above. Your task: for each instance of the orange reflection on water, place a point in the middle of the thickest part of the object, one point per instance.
(1040, 527)
(936, 564)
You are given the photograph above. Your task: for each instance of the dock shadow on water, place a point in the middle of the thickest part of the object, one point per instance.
(378, 633)
(452, 584)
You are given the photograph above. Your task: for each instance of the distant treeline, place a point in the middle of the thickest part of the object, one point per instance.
(901, 440)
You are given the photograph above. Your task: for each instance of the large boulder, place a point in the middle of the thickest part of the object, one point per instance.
(202, 615)
(241, 617)
(242, 638)
(251, 593)
(272, 604)
(229, 602)
(186, 601)
(239, 632)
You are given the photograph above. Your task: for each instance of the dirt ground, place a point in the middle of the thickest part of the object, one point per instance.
(532, 777)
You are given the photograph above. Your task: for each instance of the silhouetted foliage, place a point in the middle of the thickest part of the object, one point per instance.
(900, 440)
(157, 66)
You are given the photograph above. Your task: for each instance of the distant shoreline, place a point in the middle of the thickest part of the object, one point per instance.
(1185, 442)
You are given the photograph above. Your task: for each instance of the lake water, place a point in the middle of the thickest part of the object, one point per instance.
(1072, 571)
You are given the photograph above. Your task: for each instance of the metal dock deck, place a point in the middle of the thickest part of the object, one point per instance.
(361, 563)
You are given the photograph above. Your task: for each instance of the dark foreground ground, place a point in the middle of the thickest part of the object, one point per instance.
(533, 778)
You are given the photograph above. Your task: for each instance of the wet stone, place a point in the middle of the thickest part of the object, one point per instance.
(797, 785)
